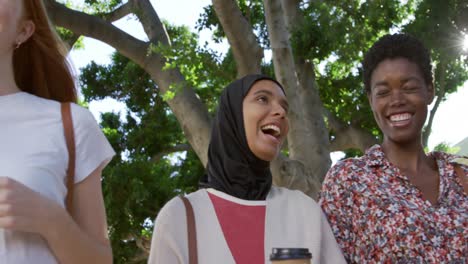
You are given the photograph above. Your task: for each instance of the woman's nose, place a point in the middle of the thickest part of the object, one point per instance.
(397, 98)
(279, 110)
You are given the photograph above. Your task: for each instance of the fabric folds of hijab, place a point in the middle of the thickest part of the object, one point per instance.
(232, 166)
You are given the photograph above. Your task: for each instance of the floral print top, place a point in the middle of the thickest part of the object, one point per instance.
(378, 216)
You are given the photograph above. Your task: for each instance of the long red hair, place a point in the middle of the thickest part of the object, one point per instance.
(40, 63)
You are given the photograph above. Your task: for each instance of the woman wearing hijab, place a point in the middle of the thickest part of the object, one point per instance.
(240, 216)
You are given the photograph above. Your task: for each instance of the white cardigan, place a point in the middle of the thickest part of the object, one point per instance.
(292, 220)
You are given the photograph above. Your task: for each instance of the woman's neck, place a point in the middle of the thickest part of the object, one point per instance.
(406, 156)
(7, 77)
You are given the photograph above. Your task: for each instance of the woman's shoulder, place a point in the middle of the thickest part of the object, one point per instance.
(341, 177)
(293, 205)
(175, 209)
(277, 191)
(81, 115)
(294, 197)
(347, 169)
(450, 158)
(460, 161)
(52, 107)
(35, 102)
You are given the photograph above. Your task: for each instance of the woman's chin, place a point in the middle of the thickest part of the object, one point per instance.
(267, 155)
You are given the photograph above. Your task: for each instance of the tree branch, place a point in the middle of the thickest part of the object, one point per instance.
(120, 12)
(71, 41)
(152, 25)
(144, 244)
(97, 28)
(246, 50)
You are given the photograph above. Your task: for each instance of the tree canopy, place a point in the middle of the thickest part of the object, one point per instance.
(170, 85)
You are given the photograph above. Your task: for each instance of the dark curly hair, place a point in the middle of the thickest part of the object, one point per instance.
(397, 46)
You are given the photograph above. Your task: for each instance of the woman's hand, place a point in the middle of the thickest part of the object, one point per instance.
(26, 210)
(78, 239)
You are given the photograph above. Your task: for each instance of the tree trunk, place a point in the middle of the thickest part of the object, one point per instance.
(318, 157)
(439, 93)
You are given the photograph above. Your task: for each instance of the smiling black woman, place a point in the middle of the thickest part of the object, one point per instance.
(398, 204)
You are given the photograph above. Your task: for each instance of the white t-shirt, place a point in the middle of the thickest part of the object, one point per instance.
(33, 151)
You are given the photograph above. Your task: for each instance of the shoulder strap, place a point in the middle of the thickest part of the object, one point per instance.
(462, 177)
(70, 140)
(191, 231)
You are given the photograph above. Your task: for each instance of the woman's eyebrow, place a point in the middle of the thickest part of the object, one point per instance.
(380, 83)
(283, 101)
(412, 78)
(264, 91)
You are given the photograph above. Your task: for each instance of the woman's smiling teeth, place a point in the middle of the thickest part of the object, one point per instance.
(400, 117)
(271, 130)
(400, 120)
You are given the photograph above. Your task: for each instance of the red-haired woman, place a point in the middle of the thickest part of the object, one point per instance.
(34, 78)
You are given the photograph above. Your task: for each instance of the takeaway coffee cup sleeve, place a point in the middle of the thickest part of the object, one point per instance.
(290, 256)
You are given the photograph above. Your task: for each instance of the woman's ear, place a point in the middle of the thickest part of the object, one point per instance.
(25, 31)
(369, 98)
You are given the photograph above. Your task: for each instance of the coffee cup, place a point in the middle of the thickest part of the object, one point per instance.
(290, 256)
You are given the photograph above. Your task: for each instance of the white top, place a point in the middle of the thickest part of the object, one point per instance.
(292, 220)
(33, 151)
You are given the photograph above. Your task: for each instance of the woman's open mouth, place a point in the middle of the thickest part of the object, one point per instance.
(272, 131)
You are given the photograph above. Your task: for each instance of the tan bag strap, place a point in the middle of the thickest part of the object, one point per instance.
(70, 140)
(191, 231)
(462, 177)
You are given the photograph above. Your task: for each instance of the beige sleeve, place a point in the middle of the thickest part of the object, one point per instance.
(169, 235)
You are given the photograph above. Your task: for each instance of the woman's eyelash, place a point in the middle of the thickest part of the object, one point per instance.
(411, 88)
(382, 92)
